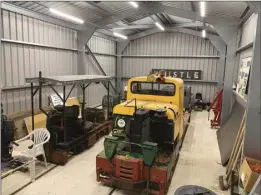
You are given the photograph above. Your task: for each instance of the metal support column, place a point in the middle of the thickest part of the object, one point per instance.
(82, 39)
(120, 48)
(1, 65)
(83, 86)
(119, 75)
(108, 100)
(32, 104)
(229, 34)
(221, 47)
(64, 126)
(98, 64)
(83, 103)
(40, 93)
(221, 70)
(252, 145)
(228, 82)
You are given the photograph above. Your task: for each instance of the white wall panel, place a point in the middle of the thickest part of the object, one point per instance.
(248, 31)
(174, 44)
(102, 45)
(23, 60)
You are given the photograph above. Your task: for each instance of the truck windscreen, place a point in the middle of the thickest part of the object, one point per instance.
(150, 88)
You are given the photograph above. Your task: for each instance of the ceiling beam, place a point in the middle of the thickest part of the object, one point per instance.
(168, 18)
(155, 18)
(254, 5)
(245, 12)
(162, 18)
(146, 26)
(133, 26)
(189, 24)
(193, 7)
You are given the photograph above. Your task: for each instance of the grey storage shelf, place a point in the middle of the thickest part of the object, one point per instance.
(69, 79)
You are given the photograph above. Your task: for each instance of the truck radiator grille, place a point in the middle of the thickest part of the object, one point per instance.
(126, 173)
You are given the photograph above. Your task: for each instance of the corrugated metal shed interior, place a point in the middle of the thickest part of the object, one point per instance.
(174, 45)
(30, 44)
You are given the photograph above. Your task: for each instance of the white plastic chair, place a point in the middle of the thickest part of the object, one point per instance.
(38, 138)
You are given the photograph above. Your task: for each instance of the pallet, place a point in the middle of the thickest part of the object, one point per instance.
(97, 132)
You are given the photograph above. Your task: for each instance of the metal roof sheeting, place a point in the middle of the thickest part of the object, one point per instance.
(178, 4)
(115, 7)
(94, 11)
(223, 9)
(86, 13)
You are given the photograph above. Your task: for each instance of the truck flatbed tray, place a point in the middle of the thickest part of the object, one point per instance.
(69, 79)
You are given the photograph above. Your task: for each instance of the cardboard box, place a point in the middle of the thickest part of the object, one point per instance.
(247, 175)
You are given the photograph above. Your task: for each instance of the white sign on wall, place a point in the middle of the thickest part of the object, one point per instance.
(243, 76)
(56, 100)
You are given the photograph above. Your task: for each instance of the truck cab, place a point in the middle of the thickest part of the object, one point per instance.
(144, 93)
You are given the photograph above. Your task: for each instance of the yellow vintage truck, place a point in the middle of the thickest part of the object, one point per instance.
(147, 133)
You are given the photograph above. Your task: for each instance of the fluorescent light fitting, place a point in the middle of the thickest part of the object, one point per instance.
(204, 33)
(134, 4)
(202, 8)
(160, 26)
(66, 16)
(120, 35)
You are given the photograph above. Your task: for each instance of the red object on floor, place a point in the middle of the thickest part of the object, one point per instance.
(130, 174)
(216, 106)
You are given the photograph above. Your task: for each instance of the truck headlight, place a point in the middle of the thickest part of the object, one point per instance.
(121, 123)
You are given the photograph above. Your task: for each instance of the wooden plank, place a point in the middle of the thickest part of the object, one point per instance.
(237, 142)
(39, 122)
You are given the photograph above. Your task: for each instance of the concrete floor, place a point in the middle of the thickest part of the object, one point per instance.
(199, 164)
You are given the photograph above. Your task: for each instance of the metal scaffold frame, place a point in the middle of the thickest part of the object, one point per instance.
(82, 80)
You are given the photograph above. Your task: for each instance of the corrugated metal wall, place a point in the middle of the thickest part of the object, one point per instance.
(24, 58)
(104, 50)
(174, 44)
(30, 45)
